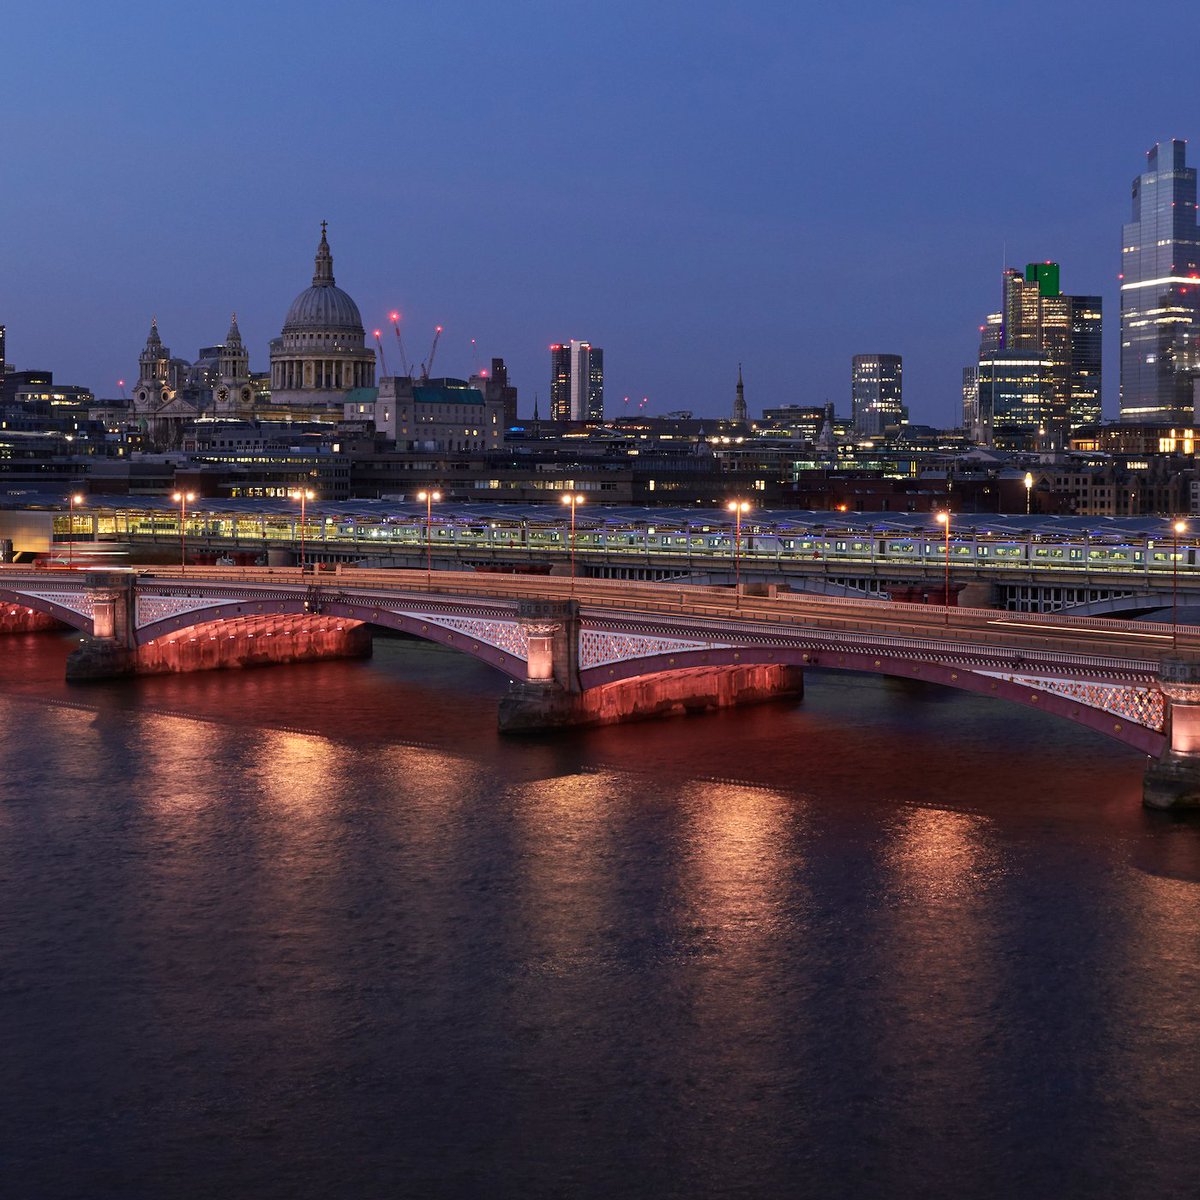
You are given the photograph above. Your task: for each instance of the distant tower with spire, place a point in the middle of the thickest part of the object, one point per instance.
(154, 371)
(739, 403)
(233, 389)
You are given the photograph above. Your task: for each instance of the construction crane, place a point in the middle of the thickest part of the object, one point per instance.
(382, 360)
(427, 365)
(400, 345)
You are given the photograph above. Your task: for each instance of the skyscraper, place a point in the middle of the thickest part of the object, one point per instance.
(576, 382)
(877, 393)
(1039, 361)
(1160, 290)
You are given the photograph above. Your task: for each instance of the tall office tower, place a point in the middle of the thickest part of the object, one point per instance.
(1086, 315)
(970, 403)
(1039, 359)
(739, 400)
(876, 393)
(1160, 290)
(576, 382)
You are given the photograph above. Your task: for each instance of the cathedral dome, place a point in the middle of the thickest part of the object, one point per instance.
(323, 307)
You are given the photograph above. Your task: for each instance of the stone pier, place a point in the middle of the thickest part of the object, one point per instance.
(552, 697)
(1173, 781)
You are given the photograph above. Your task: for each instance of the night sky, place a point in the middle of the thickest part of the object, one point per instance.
(685, 184)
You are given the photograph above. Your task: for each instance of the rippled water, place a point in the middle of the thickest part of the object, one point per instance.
(318, 931)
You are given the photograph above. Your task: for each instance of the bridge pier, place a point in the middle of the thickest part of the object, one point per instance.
(109, 652)
(113, 649)
(553, 698)
(1173, 781)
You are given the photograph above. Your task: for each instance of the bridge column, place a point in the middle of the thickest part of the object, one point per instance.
(109, 651)
(550, 695)
(1173, 781)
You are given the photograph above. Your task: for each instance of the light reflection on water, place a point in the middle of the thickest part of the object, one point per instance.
(319, 931)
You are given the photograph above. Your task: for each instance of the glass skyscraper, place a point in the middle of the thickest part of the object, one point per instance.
(576, 382)
(1160, 290)
(877, 393)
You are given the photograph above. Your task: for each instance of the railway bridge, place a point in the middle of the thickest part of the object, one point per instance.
(595, 652)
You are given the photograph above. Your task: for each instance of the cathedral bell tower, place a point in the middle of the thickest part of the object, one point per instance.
(154, 373)
(233, 389)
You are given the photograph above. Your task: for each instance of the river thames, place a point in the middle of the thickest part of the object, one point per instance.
(319, 931)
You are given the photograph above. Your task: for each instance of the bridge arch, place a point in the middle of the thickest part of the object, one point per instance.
(1122, 728)
(40, 604)
(363, 611)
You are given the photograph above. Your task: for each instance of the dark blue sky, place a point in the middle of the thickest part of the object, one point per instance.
(684, 184)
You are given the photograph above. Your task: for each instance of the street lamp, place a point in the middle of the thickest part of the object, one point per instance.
(943, 518)
(183, 499)
(1028, 492)
(737, 507)
(429, 498)
(574, 501)
(1177, 527)
(304, 495)
(73, 499)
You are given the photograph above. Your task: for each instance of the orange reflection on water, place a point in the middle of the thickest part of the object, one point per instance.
(738, 843)
(569, 877)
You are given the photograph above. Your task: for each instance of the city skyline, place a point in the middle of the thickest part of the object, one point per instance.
(715, 220)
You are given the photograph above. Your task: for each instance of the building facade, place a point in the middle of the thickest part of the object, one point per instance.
(445, 416)
(576, 382)
(877, 393)
(1160, 290)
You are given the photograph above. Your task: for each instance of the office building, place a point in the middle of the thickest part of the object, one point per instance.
(1160, 290)
(877, 393)
(1013, 399)
(1039, 362)
(576, 382)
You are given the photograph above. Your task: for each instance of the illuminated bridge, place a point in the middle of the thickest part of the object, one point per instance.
(1084, 565)
(593, 651)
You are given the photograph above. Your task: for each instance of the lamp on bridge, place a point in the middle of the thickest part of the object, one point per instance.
(574, 501)
(183, 499)
(1177, 527)
(429, 498)
(73, 499)
(943, 518)
(304, 495)
(1028, 492)
(737, 507)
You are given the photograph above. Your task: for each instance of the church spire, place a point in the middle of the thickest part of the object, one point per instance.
(234, 336)
(739, 403)
(324, 272)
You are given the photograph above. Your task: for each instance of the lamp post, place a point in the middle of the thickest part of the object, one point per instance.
(73, 499)
(1177, 527)
(1028, 492)
(183, 499)
(943, 518)
(304, 495)
(737, 507)
(429, 498)
(574, 501)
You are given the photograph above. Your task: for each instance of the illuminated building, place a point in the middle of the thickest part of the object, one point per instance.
(576, 382)
(1160, 290)
(1039, 363)
(321, 354)
(877, 393)
(1014, 397)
